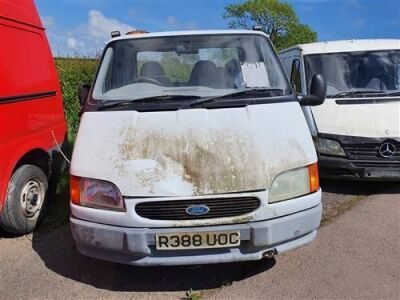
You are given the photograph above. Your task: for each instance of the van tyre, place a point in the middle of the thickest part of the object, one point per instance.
(24, 200)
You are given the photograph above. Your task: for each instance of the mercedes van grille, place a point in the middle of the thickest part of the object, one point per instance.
(377, 164)
(370, 151)
(218, 208)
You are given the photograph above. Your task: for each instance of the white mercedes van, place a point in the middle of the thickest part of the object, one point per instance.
(357, 129)
(193, 149)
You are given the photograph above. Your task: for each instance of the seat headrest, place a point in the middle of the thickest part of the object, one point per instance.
(203, 73)
(151, 69)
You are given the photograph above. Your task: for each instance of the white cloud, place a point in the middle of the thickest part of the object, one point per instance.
(99, 26)
(72, 44)
(86, 39)
(174, 24)
(89, 37)
(171, 21)
(352, 4)
(47, 21)
(190, 26)
(360, 23)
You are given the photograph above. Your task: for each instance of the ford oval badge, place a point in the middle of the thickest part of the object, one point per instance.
(197, 210)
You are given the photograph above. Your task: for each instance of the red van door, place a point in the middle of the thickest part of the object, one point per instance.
(32, 124)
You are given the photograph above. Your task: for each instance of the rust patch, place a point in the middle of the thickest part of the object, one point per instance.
(205, 163)
(216, 221)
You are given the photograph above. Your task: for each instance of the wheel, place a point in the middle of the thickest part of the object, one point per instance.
(24, 200)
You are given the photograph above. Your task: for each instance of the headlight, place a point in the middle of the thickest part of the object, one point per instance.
(294, 183)
(329, 147)
(96, 194)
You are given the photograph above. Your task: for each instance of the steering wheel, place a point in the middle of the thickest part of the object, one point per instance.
(147, 80)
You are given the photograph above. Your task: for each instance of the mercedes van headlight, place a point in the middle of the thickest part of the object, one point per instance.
(95, 194)
(329, 147)
(294, 183)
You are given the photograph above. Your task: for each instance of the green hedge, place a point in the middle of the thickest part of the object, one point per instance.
(72, 73)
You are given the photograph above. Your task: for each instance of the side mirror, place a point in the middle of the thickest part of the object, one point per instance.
(317, 92)
(83, 93)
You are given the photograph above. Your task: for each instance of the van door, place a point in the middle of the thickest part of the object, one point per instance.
(298, 82)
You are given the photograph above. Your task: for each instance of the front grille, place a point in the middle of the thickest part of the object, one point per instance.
(176, 210)
(369, 151)
(377, 164)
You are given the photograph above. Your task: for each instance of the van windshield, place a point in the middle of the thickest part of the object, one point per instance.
(192, 65)
(356, 72)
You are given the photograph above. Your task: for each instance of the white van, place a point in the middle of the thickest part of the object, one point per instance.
(193, 149)
(357, 129)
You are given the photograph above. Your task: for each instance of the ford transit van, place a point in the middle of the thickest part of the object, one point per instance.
(193, 149)
(32, 124)
(357, 129)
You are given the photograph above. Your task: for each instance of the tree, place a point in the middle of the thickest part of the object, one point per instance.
(276, 18)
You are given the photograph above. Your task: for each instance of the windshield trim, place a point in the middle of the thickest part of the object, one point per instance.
(91, 104)
(178, 105)
(370, 100)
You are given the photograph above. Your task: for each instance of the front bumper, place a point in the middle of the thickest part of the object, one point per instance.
(136, 246)
(338, 167)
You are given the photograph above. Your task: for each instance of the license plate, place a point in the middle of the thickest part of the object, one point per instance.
(197, 240)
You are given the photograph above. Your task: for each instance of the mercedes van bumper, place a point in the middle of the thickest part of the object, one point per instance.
(137, 246)
(363, 158)
(337, 168)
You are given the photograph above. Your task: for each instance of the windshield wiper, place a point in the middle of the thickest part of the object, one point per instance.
(247, 92)
(396, 93)
(152, 99)
(355, 93)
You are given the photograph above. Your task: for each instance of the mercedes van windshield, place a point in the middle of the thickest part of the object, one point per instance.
(356, 73)
(187, 67)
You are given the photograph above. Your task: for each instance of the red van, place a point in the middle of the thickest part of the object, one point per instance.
(32, 123)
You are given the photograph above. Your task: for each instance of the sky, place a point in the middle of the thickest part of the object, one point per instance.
(81, 27)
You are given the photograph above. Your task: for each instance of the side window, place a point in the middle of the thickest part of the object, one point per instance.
(295, 77)
(397, 75)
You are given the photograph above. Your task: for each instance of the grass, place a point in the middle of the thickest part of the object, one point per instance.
(328, 215)
(191, 295)
(57, 210)
(72, 73)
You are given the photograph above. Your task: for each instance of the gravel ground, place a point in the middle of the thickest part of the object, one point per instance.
(340, 196)
(356, 255)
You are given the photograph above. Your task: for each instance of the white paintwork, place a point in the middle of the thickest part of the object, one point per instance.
(129, 218)
(346, 46)
(192, 151)
(378, 120)
(187, 33)
(363, 120)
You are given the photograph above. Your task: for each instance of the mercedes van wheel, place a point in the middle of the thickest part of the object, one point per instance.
(24, 200)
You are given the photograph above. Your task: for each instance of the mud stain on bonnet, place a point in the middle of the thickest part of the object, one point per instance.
(193, 162)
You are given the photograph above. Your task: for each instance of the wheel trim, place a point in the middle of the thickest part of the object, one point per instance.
(32, 196)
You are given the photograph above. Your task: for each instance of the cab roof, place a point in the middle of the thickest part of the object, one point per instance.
(186, 33)
(347, 46)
